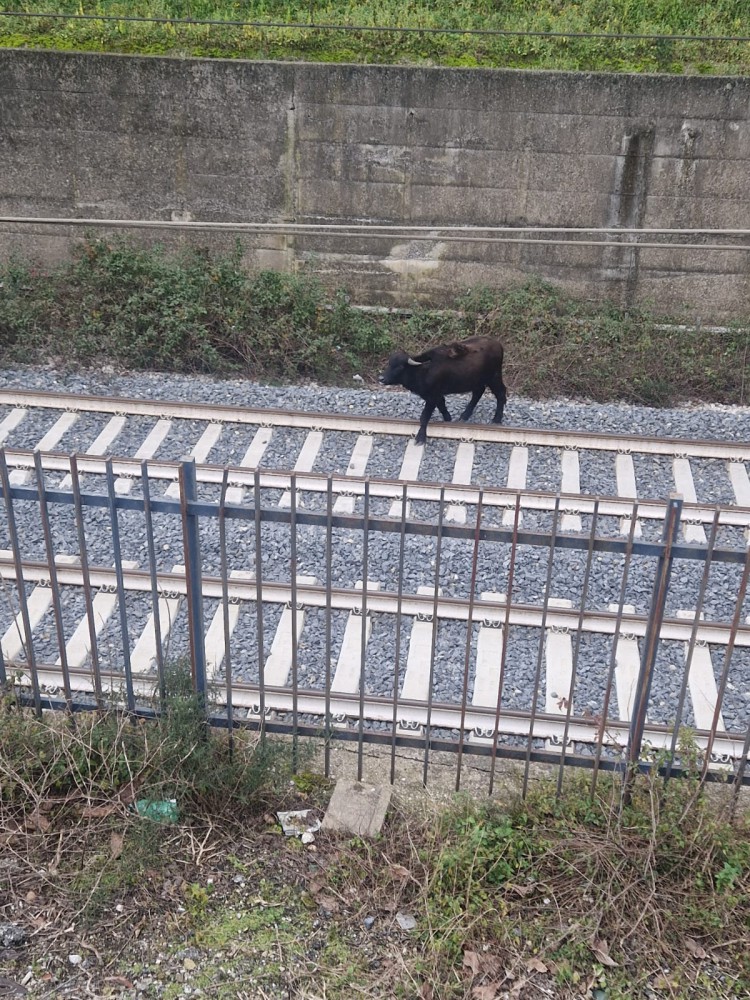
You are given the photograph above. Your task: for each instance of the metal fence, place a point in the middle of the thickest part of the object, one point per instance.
(278, 603)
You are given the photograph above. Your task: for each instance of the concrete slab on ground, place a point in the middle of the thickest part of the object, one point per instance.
(357, 808)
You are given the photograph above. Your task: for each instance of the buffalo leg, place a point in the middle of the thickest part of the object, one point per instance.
(443, 409)
(429, 409)
(498, 388)
(472, 404)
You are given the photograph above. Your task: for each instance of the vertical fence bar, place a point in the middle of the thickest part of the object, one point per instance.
(691, 645)
(116, 551)
(225, 606)
(577, 648)
(96, 679)
(728, 652)
(469, 631)
(363, 633)
(53, 582)
(191, 540)
(328, 626)
(542, 641)
(294, 609)
(615, 642)
(27, 638)
(431, 682)
(259, 605)
(504, 648)
(149, 523)
(397, 653)
(651, 642)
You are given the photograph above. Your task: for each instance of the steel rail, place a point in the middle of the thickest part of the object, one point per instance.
(511, 722)
(478, 433)
(378, 601)
(501, 497)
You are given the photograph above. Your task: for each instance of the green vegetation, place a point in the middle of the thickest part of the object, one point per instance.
(572, 896)
(651, 17)
(144, 308)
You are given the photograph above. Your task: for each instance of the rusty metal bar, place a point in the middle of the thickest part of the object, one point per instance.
(615, 641)
(504, 649)
(540, 653)
(469, 632)
(260, 636)
(225, 607)
(397, 652)
(155, 611)
(431, 681)
(328, 628)
(87, 594)
(651, 641)
(27, 639)
(691, 646)
(191, 540)
(294, 609)
(577, 650)
(363, 635)
(54, 587)
(119, 575)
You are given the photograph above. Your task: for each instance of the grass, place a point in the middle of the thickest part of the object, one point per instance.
(566, 897)
(195, 311)
(651, 17)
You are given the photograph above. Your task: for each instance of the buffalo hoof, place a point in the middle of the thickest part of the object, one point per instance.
(421, 437)
(465, 416)
(447, 418)
(497, 420)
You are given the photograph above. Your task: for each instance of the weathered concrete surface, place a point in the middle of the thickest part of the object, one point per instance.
(357, 808)
(123, 137)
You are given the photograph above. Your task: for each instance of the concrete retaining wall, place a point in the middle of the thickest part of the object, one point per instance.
(122, 137)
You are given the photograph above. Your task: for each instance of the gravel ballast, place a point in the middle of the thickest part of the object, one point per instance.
(566, 576)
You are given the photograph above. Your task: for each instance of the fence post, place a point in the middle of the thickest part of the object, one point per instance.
(192, 548)
(651, 641)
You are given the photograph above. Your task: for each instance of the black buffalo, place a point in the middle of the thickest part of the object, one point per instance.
(471, 365)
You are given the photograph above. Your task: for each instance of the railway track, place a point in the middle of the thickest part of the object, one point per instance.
(555, 659)
(679, 458)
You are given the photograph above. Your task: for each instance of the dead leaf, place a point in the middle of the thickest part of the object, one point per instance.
(400, 871)
(38, 822)
(127, 794)
(520, 890)
(426, 992)
(491, 965)
(329, 904)
(536, 965)
(490, 991)
(600, 949)
(115, 844)
(119, 981)
(97, 812)
(472, 962)
(695, 949)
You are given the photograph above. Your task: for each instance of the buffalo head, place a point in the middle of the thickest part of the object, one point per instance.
(398, 365)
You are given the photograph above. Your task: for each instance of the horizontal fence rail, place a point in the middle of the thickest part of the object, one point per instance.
(582, 647)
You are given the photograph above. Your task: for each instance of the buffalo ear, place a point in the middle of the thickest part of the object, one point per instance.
(411, 361)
